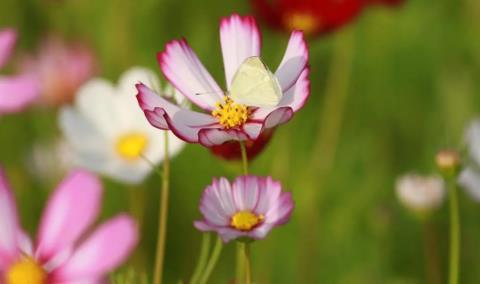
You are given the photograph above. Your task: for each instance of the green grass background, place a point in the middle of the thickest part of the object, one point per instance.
(413, 88)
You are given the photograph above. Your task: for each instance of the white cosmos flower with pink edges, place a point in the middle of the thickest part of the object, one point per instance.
(240, 39)
(18, 91)
(249, 207)
(61, 253)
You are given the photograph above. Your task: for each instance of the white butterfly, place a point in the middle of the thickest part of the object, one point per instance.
(255, 85)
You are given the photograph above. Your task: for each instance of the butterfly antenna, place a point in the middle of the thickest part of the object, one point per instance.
(211, 93)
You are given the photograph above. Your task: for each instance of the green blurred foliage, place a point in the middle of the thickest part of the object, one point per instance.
(413, 87)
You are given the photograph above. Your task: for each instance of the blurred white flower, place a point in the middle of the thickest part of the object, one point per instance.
(470, 177)
(420, 193)
(108, 131)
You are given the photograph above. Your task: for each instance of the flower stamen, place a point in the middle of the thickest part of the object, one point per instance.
(246, 220)
(230, 114)
(26, 271)
(131, 145)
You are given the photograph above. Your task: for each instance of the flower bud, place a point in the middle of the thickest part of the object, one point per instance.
(448, 162)
(420, 194)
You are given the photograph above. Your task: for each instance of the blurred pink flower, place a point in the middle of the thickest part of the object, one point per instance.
(61, 68)
(16, 92)
(248, 208)
(226, 120)
(61, 254)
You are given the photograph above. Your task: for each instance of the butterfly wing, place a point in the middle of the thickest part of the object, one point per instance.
(255, 85)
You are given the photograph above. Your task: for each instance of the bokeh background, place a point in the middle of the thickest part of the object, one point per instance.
(405, 83)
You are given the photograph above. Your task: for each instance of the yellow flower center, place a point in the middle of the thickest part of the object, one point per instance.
(26, 271)
(246, 220)
(131, 146)
(230, 114)
(302, 21)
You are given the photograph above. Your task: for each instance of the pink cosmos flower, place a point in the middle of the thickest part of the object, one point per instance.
(225, 119)
(248, 208)
(61, 68)
(61, 253)
(16, 92)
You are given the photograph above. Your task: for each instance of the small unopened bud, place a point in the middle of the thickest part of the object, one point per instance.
(421, 194)
(448, 162)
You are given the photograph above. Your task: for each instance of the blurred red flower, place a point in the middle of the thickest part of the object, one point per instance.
(231, 150)
(314, 17)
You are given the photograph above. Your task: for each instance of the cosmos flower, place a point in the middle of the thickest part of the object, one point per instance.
(314, 17)
(420, 193)
(18, 91)
(61, 253)
(248, 208)
(61, 69)
(109, 133)
(470, 176)
(226, 119)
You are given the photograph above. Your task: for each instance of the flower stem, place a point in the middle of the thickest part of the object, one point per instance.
(454, 267)
(241, 261)
(212, 261)
(202, 259)
(243, 149)
(248, 272)
(163, 213)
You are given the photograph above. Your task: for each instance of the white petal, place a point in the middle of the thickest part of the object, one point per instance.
(184, 70)
(240, 39)
(294, 61)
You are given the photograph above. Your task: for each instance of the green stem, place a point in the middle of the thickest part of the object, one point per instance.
(212, 261)
(454, 267)
(240, 258)
(163, 213)
(243, 149)
(202, 260)
(248, 272)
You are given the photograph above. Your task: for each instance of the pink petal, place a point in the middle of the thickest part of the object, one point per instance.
(162, 114)
(268, 196)
(70, 211)
(226, 233)
(18, 92)
(210, 137)
(280, 212)
(253, 130)
(240, 39)
(277, 117)
(85, 281)
(245, 192)
(183, 69)
(8, 37)
(261, 231)
(9, 228)
(271, 117)
(294, 61)
(217, 203)
(106, 249)
(229, 234)
(203, 226)
(297, 96)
